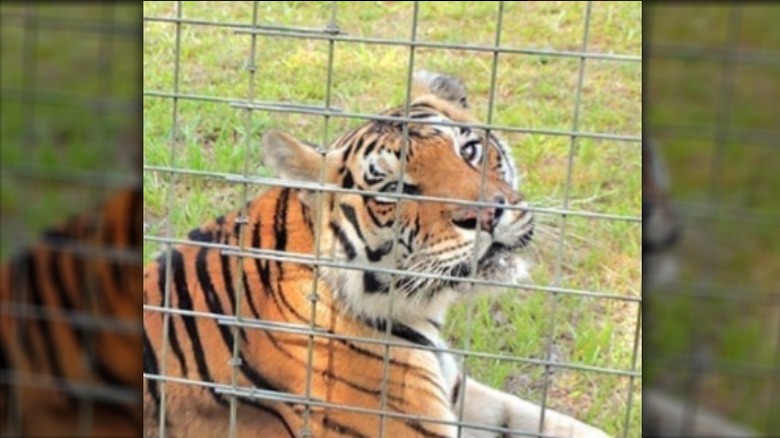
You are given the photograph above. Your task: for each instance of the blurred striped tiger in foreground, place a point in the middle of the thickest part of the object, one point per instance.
(421, 389)
(70, 331)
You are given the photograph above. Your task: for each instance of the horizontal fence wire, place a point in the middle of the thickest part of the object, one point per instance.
(316, 187)
(300, 108)
(56, 168)
(729, 205)
(307, 259)
(254, 393)
(332, 34)
(259, 324)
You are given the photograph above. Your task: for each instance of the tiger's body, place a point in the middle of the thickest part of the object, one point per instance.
(344, 381)
(54, 369)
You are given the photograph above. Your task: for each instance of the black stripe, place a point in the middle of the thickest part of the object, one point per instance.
(214, 305)
(249, 295)
(374, 255)
(201, 235)
(55, 272)
(353, 347)
(262, 264)
(270, 411)
(341, 429)
(173, 338)
(8, 406)
(212, 300)
(418, 427)
(17, 282)
(344, 240)
(49, 346)
(372, 285)
(349, 213)
(349, 181)
(370, 147)
(257, 379)
(401, 331)
(307, 217)
(329, 374)
(185, 303)
(352, 146)
(371, 215)
(280, 225)
(227, 278)
(237, 228)
(406, 245)
(117, 276)
(151, 367)
(135, 227)
(456, 391)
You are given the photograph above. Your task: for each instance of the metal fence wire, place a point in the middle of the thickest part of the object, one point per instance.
(70, 119)
(713, 324)
(254, 35)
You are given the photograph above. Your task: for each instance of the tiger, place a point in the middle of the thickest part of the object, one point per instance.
(62, 374)
(356, 384)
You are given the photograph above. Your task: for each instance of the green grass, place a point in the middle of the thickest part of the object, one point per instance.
(47, 126)
(732, 250)
(532, 91)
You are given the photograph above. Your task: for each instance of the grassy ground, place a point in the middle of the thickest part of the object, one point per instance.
(735, 246)
(532, 91)
(53, 133)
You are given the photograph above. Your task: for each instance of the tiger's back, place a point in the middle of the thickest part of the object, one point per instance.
(345, 372)
(69, 327)
(308, 353)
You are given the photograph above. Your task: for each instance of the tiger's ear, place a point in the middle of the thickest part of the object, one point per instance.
(290, 158)
(440, 85)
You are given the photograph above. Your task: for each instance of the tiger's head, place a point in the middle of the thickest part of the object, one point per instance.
(439, 160)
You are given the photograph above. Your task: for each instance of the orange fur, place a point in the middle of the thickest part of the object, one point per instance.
(61, 280)
(346, 380)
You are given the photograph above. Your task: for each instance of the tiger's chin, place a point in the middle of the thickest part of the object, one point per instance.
(499, 264)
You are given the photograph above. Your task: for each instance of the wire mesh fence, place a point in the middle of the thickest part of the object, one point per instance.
(712, 321)
(216, 75)
(69, 142)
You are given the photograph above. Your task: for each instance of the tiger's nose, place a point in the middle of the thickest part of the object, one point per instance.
(470, 217)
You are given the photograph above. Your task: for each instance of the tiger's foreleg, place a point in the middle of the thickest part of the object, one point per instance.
(490, 407)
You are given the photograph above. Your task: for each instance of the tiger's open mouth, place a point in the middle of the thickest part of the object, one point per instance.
(499, 263)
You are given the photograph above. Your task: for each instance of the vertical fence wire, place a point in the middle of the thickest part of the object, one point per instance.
(237, 361)
(332, 34)
(700, 357)
(700, 375)
(332, 28)
(566, 194)
(397, 215)
(169, 232)
(51, 212)
(482, 178)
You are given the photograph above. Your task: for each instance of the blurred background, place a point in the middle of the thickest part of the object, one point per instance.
(711, 231)
(70, 131)
(70, 111)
